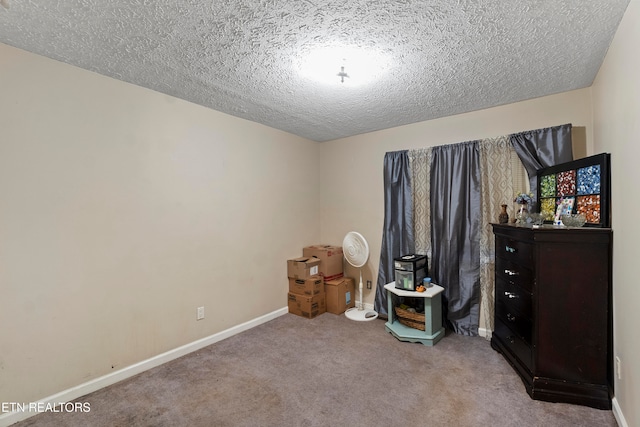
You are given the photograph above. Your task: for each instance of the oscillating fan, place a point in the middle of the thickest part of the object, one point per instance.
(356, 252)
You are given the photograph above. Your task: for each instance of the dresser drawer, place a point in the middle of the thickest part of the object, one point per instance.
(520, 349)
(514, 274)
(514, 250)
(514, 296)
(516, 321)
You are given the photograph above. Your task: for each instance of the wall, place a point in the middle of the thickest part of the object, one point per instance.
(616, 101)
(121, 211)
(351, 176)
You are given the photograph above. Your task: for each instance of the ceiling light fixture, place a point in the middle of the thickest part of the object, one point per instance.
(342, 74)
(365, 65)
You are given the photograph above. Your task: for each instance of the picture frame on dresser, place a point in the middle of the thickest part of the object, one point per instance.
(586, 181)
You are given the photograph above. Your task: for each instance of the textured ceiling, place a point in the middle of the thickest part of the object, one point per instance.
(436, 57)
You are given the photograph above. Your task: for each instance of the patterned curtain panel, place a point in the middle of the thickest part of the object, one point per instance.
(498, 176)
(420, 163)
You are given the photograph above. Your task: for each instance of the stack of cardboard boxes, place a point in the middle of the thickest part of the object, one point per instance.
(317, 283)
(306, 287)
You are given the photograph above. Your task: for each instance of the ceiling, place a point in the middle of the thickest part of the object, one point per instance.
(431, 58)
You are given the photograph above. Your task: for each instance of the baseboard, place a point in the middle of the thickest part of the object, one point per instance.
(6, 419)
(367, 306)
(617, 413)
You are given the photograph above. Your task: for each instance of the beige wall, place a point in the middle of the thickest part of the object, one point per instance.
(616, 101)
(121, 211)
(352, 181)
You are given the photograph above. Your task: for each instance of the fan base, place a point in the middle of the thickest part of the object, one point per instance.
(360, 315)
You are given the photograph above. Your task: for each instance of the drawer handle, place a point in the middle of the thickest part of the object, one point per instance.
(511, 339)
(510, 249)
(511, 272)
(510, 295)
(511, 317)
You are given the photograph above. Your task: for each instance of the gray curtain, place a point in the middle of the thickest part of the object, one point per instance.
(455, 199)
(455, 232)
(397, 234)
(543, 148)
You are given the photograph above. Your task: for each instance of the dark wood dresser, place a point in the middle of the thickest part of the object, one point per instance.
(553, 311)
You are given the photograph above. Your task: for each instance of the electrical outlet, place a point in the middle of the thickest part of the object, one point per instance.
(618, 368)
(200, 313)
(368, 284)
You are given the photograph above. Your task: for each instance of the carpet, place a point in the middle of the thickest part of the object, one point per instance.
(327, 371)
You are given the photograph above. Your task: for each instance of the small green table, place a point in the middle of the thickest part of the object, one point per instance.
(432, 315)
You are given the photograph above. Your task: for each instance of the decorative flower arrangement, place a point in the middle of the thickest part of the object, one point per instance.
(524, 198)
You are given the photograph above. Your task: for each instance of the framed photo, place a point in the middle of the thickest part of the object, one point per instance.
(564, 207)
(581, 186)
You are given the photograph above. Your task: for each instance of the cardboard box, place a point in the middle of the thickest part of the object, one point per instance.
(306, 306)
(340, 294)
(330, 260)
(303, 268)
(311, 286)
